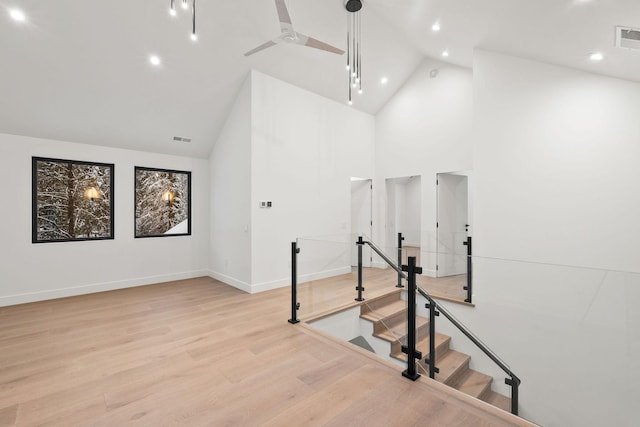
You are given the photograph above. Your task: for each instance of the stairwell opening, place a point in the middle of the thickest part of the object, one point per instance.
(380, 325)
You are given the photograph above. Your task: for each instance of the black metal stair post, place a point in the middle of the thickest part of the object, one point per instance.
(400, 239)
(295, 305)
(469, 270)
(360, 289)
(431, 360)
(514, 382)
(410, 349)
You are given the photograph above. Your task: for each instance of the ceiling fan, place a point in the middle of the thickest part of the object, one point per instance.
(289, 35)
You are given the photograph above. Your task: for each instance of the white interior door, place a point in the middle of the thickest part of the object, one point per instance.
(453, 217)
(361, 218)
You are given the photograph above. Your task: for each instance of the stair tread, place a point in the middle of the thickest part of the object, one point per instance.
(395, 332)
(451, 365)
(498, 400)
(473, 383)
(382, 300)
(384, 311)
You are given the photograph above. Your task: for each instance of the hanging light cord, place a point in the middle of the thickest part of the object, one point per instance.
(354, 52)
(172, 11)
(193, 8)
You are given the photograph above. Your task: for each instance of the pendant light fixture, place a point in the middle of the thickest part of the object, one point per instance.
(185, 5)
(354, 47)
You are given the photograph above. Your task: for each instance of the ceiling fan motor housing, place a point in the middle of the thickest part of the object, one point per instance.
(353, 5)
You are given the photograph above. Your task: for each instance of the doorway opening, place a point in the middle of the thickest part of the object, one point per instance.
(404, 215)
(453, 228)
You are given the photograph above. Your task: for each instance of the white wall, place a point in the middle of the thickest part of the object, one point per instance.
(556, 182)
(230, 193)
(554, 160)
(558, 159)
(32, 272)
(304, 150)
(424, 129)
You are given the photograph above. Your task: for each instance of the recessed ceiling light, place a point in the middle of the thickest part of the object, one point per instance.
(596, 56)
(384, 80)
(445, 53)
(172, 12)
(184, 4)
(436, 27)
(154, 60)
(17, 15)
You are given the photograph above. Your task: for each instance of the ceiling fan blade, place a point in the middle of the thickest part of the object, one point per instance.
(315, 43)
(283, 15)
(263, 46)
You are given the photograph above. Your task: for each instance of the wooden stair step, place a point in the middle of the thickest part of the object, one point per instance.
(382, 312)
(442, 346)
(473, 383)
(451, 365)
(395, 331)
(374, 304)
(392, 321)
(388, 313)
(498, 400)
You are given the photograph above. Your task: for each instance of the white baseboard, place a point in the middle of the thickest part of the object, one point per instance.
(379, 264)
(302, 278)
(243, 286)
(96, 287)
(267, 286)
(430, 273)
(324, 274)
(280, 283)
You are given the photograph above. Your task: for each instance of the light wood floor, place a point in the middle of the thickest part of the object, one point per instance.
(450, 287)
(198, 352)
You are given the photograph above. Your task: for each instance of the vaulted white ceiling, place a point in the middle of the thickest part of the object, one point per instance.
(79, 70)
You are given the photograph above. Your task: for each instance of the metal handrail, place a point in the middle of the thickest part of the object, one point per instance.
(514, 382)
(482, 346)
(382, 255)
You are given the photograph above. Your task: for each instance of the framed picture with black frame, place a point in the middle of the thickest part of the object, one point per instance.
(72, 200)
(162, 202)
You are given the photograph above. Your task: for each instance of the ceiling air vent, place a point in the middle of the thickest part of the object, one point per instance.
(628, 38)
(181, 139)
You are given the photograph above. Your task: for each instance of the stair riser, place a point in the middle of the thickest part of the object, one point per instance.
(453, 377)
(390, 322)
(373, 305)
(379, 328)
(441, 349)
(485, 393)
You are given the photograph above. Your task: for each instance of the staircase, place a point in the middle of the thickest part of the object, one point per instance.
(388, 314)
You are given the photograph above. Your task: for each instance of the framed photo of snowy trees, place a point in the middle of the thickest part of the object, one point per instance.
(162, 202)
(71, 200)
